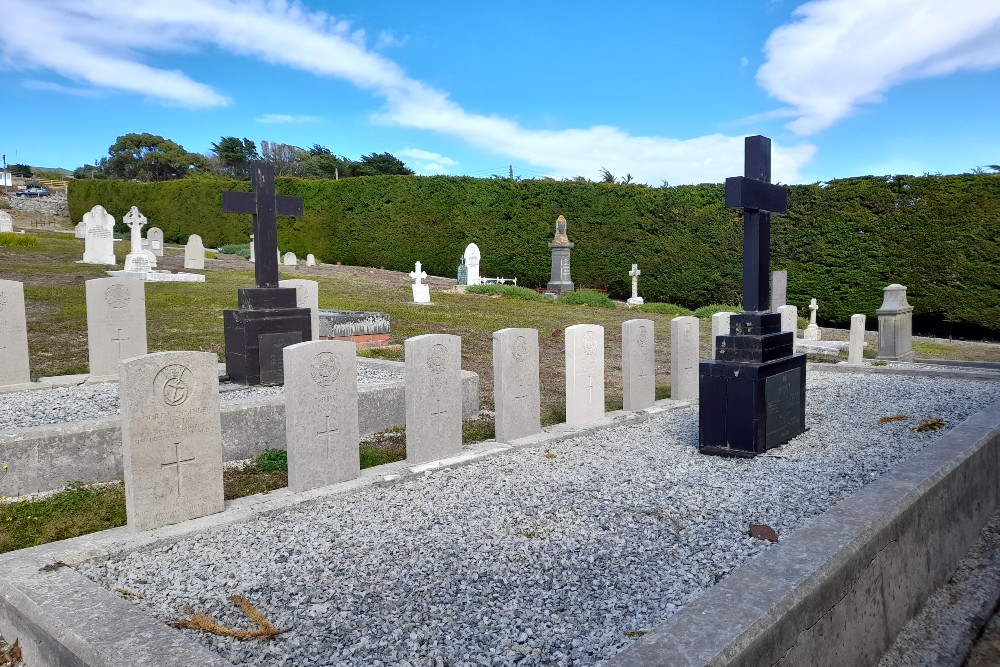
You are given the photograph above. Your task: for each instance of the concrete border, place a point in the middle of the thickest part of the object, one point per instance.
(62, 618)
(46, 458)
(838, 590)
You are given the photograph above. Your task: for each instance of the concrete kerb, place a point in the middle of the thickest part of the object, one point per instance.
(46, 458)
(62, 618)
(839, 589)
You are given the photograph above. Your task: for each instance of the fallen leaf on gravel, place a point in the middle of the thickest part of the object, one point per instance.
(763, 532)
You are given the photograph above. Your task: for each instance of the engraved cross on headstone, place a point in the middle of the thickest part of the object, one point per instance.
(265, 206)
(327, 434)
(176, 463)
(754, 193)
(119, 340)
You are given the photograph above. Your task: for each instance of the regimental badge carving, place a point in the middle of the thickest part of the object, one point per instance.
(117, 296)
(520, 349)
(642, 336)
(174, 383)
(437, 359)
(3, 300)
(590, 351)
(302, 299)
(324, 369)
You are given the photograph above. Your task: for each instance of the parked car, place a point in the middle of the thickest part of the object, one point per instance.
(33, 190)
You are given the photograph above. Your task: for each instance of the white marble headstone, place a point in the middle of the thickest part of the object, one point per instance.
(137, 259)
(6, 222)
(155, 237)
(638, 364)
(856, 346)
(116, 322)
(684, 358)
(789, 318)
(720, 327)
(433, 389)
(194, 253)
(253, 256)
(516, 393)
(310, 260)
(291, 259)
(306, 296)
(80, 231)
(584, 373)
(472, 257)
(13, 335)
(421, 291)
(99, 244)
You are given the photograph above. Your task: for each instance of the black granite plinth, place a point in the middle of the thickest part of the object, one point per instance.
(752, 395)
(256, 333)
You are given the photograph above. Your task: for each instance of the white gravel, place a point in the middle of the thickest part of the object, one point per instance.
(62, 405)
(527, 558)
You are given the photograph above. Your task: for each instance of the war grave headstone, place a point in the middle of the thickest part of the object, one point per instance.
(116, 322)
(635, 299)
(171, 437)
(136, 260)
(516, 392)
(310, 260)
(720, 327)
(584, 373)
(433, 388)
(99, 244)
(684, 335)
(268, 318)
(638, 364)
(560, 280)
(14, 367)
(194, 253)
(779, 289)
(856, 346)
(421, 292)
(812, 331)
(6, 222)
(752, 395)
(321, 413)
(80, 231)
(251, 248)
(472, 257)
(291, 259)
(155, 237)
(306, 296)
(789, 318)
(895, 325)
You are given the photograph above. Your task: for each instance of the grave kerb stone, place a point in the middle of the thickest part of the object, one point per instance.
(684, 358)
(584, 373)
(306, 296)
(14, 364)
(638, 364)
(433, 389)
(116, 322)
(516, 392)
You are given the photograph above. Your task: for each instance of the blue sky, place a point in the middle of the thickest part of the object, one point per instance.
(658, 90)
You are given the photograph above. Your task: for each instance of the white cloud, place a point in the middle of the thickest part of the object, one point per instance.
(840, 54)
(103, 43)
(35, 84)
(285, 119)
(419, 154)
(427, 163)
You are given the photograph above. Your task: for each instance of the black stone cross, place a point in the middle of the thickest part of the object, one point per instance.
(265, 206)
(758, 199)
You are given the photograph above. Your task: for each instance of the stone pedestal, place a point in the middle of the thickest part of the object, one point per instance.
(561, 280)
(752, 395)
(895, 325)
(266, 322)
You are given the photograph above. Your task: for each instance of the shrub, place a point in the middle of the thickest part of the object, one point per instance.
(586, 297)
(272, 459)
(508, 291)
(673, 310)
(708, 311)
(240, 249)
(11, 240)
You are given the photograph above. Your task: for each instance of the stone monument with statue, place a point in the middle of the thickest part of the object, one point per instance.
(561, 279)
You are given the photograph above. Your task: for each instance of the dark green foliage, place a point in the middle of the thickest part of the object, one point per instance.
(149, 157)
(712, 309)
(382, 164)
(272, 459)
(841, 242)
(238, 249)
(586, 297)
(670, 309)
(509, 291)
(22, 170)
(235, 155)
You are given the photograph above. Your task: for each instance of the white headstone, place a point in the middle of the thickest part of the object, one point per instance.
(684, 358)
(472, 257)
(321, 413)
(116, 322)
(584, 373)
(638, 364)
(194, 253)
(252, 257)
(306, 296)
(171, 437)
(515, 384)
(856, 346)
(155, 237)
(80, 231)
(812, 331)
(291, 259)
(433, 389)
(13, 335)
(310, 260)
(779, 289)
(720, 327)
(99, 244)
(789, 318)
(635, 299)
(421, 292)
(136, 259)
(6, 222)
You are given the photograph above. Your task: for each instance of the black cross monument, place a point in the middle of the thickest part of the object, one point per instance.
(752, 395)
(267, 319)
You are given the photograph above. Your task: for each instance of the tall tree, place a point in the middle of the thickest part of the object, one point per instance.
(149, 157)
(235, 155)
(382, 164)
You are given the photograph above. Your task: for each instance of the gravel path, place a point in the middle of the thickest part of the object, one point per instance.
(61, 405)
(535, 557)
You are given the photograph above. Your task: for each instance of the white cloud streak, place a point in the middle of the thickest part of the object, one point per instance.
(103, 44)
(285, 119)
(838, 55)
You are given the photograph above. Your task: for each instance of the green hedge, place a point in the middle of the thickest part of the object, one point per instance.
(841, 242)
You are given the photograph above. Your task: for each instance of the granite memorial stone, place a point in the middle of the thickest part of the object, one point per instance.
(895, 325)
(779, 289)
(561, 279)
(515, 384)
(14, 367)
(684, 341)
(116, 322)
(638, 364)
(584, 373)
(433, 389)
